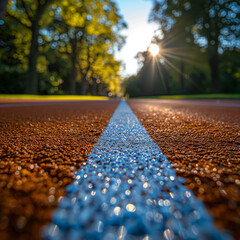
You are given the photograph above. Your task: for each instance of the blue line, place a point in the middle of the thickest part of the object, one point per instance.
(128, 190)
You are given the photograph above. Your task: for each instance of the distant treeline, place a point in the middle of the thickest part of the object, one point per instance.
(199, 45)
(55, 47)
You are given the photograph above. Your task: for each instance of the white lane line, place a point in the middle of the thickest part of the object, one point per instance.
(128, 190)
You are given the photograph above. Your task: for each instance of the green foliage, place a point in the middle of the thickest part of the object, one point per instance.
(76, 41)
(88, 33)
(198, 83)
(12, 79)
(132, 86)
(211, 23)
(230, 71)
(14, 44)
(193, 33)
(50, 83)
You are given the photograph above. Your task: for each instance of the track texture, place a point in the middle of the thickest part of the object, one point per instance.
(128, 190)
(202, 143)
(40, 148)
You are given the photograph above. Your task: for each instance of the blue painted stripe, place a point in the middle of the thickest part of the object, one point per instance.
(128, 190)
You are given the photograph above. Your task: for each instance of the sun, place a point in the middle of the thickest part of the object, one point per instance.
(154, 49)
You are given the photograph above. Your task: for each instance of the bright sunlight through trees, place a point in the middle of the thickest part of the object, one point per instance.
(154, 49)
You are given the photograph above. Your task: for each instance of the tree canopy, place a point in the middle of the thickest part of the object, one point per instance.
(196, 40)
(63, 46)
(213, 25)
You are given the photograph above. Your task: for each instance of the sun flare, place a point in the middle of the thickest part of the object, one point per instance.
(154, 49)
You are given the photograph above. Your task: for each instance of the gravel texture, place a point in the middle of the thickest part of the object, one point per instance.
(202, 143)
(40, 148)
(128, 190)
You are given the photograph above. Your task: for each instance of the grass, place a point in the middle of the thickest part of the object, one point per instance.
(199, 96)
(51, 97)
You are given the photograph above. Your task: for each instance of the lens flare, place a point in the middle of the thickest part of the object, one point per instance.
(154, 49)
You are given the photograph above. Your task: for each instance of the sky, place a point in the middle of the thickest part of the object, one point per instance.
(139, 32)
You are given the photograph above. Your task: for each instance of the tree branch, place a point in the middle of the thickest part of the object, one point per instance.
(26, 9)
(65, 52)
(18, 20)
(42, 7)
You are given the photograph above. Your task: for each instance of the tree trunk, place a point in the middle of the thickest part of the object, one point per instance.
(102, 89)
(166, 86)
(182, 77)
(164, 79)
(213, 63)
(73, 75)
(3, 5)
(213, 45)
(84, 85)
(73, 78)
(94, 88)
(163, 76)
(32, 81)
(84, 79)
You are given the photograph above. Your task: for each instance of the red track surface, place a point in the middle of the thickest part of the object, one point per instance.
(40, 147)
(202, 143)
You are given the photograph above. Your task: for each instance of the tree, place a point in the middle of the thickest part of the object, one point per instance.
(83, 34)
(153, 77)
(101, 39)
(67, 34)
(84, 29)
(131, 86)
(29, 14)
(99, 64)
(214, 25)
